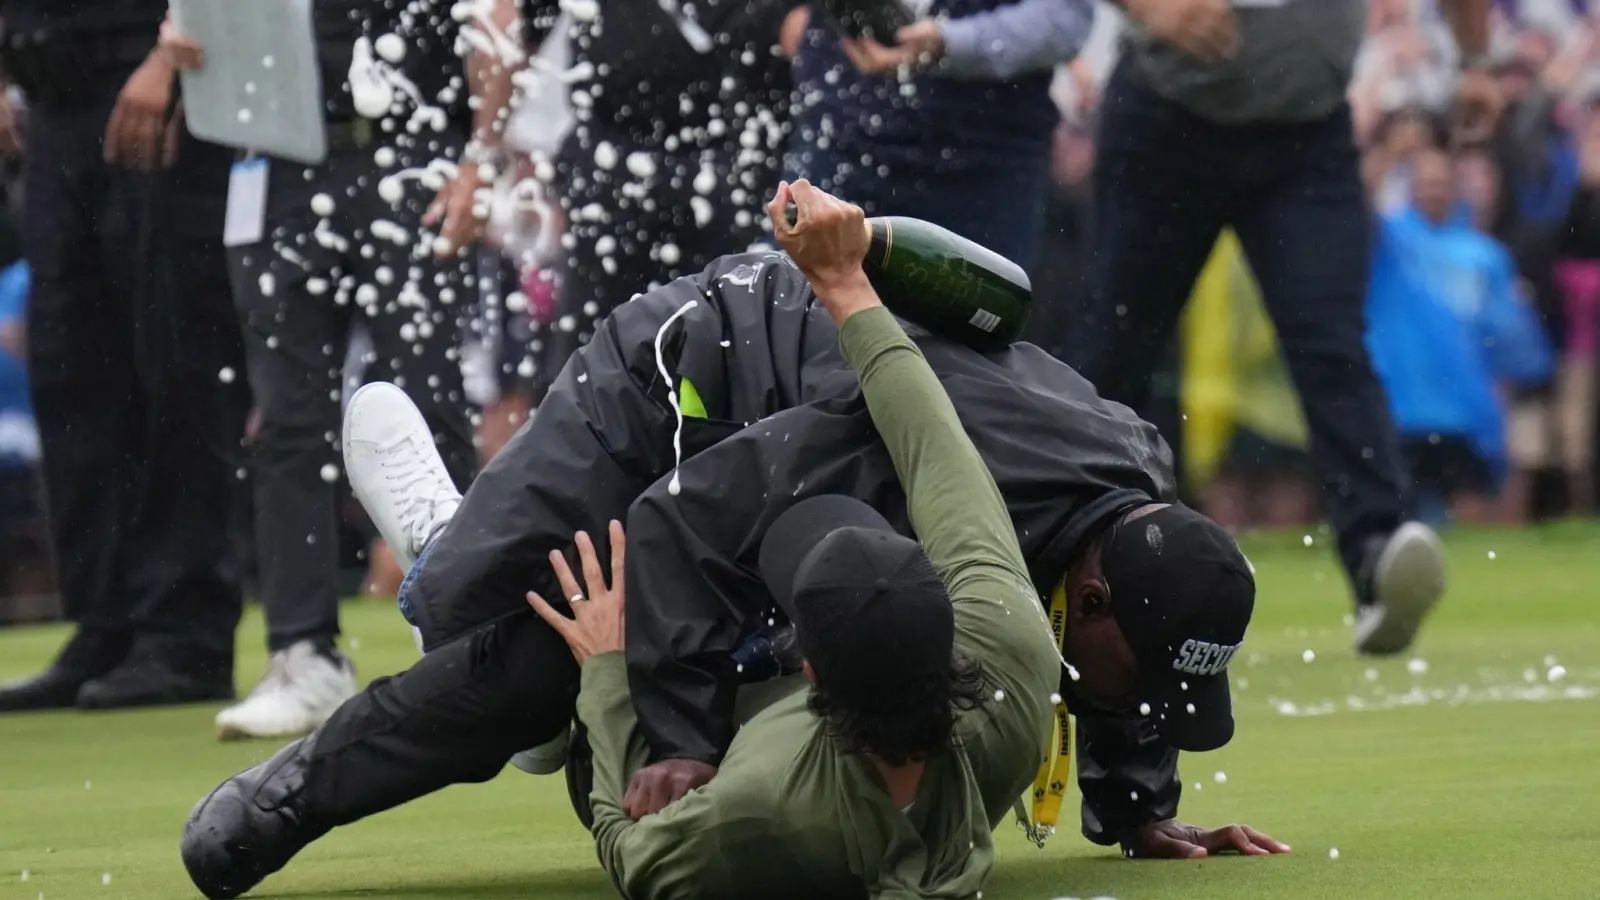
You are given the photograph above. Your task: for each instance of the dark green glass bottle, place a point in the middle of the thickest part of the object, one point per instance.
(946, 283)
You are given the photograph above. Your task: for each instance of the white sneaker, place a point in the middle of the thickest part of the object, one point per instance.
(1407, 580)
(545, 759)
(395, 469)
(301, 690)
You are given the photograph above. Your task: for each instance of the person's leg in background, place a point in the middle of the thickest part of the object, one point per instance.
(416, 328)
(1162, 195)
(1307, 235)
(295, 334)
(179, 565)
(85, 393)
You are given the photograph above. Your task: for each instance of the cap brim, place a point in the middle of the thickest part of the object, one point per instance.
(1208, 727)
(800, 530)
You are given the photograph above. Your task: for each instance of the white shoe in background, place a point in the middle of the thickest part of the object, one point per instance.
(1408, 577)
(395, 469)
(302, 688)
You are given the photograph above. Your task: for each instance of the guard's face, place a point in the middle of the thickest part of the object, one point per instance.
(1106, 668)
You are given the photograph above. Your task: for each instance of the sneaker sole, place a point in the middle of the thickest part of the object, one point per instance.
(546, 759)
(1407, 582)
(234, 733)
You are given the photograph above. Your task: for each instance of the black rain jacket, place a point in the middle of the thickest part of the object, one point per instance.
(784, 421)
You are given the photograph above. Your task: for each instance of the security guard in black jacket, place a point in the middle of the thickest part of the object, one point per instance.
(132, 345)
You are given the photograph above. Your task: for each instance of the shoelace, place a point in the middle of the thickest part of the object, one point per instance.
(415, 486)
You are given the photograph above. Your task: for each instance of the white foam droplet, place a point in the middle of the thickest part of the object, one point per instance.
(641, 164)
(1556, 673)
(999, 695)
(245, 116)
(670, 254)
(1307, 540)
(516, 302)
(1220, 778)
(525, 368)
(1144, 709)
(267, 284)
(1371, 674)
(605, 155)
(227, 375)
(1189, 707)
(1417, 666)
(1333, 852)
(316, 286)
(384, 157)
(391, 47)
(105, 877)
(330, 473)
(268, 62)
(1055, 699)
(25, 874)
(583, 378)
(1491, 554)
(391, 190)
(605, 245)
(1308, 655)
(322, 205)
(706, 181)
(702, 209)
(673, 486)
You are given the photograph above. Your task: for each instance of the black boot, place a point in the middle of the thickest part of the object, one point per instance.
(89, 654)
(251, 825)
(160, 672)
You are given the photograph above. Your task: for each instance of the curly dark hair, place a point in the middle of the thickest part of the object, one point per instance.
(902, 722)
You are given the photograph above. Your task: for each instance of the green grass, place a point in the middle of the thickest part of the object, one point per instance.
(1475, 792)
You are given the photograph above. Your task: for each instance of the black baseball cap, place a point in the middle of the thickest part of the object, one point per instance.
(1182, 593)
(867, 606)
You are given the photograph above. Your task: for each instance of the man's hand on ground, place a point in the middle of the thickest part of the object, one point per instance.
(655, 787)
(828, 241)
(1205, 29)
(136, 134)
(1171, 839)
(597, 624)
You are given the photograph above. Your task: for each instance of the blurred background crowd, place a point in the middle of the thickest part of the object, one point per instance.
(625, 165)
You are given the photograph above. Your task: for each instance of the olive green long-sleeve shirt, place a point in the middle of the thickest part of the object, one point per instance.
(788, 814)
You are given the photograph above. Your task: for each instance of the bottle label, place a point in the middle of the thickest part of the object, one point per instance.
(985, 320)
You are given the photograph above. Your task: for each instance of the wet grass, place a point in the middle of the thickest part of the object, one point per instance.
(1469, 774)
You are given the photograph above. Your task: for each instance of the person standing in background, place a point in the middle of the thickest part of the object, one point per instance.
(1233, 114)
(679, 114)
(1447, 329)
(954, 124)
(131, 343)
(355, 237)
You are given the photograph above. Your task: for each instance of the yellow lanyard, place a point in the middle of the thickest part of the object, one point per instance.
(1050, 785)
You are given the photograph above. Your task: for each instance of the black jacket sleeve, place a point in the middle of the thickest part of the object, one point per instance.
(1127, 782)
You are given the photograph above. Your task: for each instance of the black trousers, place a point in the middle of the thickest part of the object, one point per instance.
(298, 292)
(129, 327)
(1166, 184)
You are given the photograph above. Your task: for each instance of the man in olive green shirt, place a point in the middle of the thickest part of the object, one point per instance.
(931, 666)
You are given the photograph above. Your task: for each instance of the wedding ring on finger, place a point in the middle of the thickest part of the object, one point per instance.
(576, 598)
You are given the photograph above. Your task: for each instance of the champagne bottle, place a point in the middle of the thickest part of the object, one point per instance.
(876, 19)
(946, 283)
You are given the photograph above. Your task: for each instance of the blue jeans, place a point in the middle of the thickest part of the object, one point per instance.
(403, 597)
(1167, 182)
(1000, 207)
